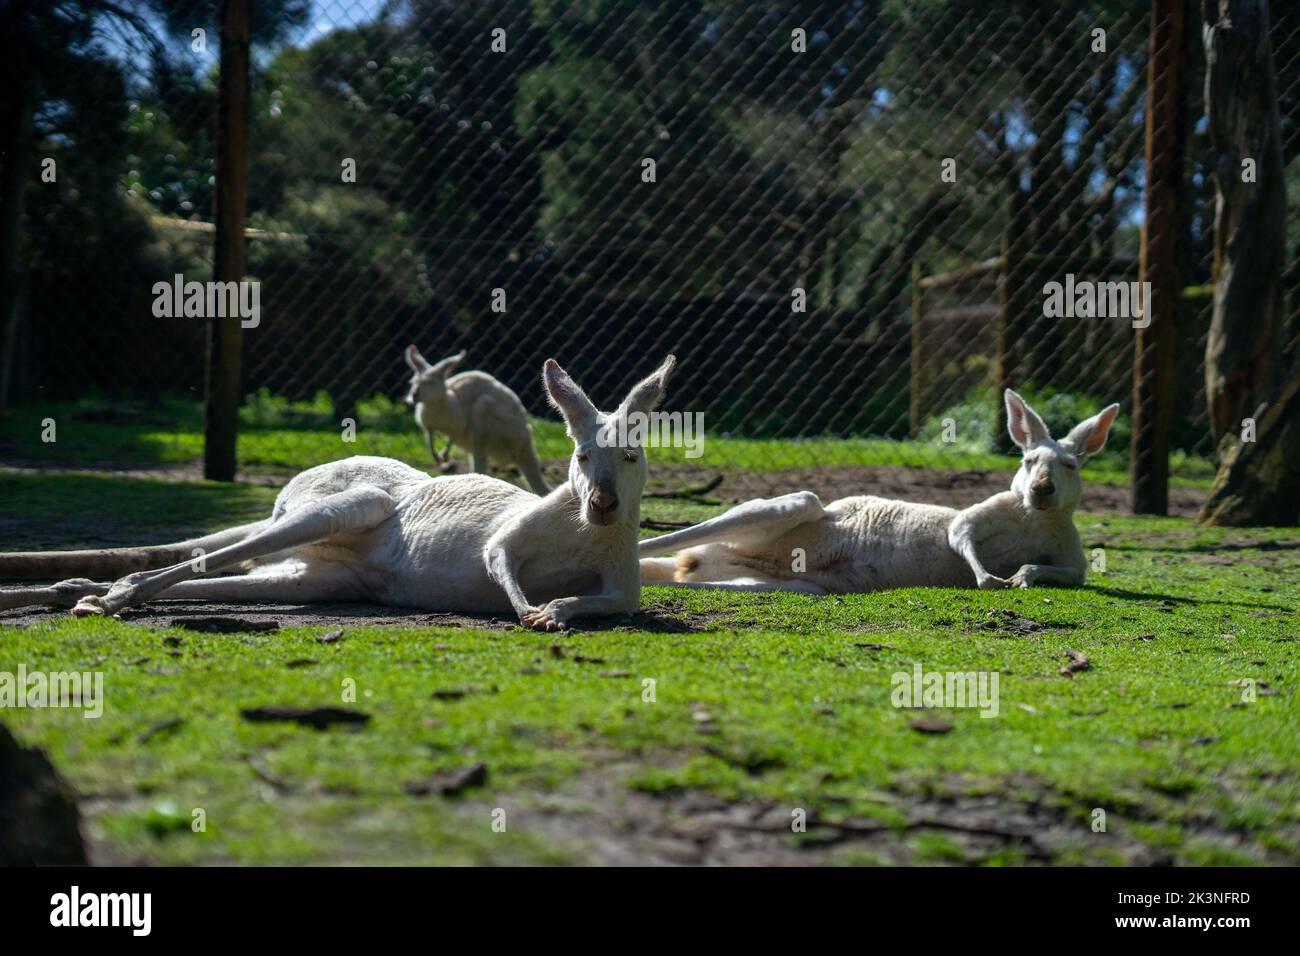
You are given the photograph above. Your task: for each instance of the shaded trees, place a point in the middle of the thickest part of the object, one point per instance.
(1258, 474)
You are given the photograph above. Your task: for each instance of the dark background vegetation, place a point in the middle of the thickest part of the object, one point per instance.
(521, 171)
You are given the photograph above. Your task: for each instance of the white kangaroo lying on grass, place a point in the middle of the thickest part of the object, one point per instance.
(476, 412)
(375, 529)
(793, 543)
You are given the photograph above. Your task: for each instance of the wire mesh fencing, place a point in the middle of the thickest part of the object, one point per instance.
(853, 223)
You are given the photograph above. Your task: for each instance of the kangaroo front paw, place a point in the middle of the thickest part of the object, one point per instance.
(552, 617)
(991, 582)
(1025, 577)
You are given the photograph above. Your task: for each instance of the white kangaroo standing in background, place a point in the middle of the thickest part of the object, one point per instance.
(378, 530)
(793, 543)
(476, 412)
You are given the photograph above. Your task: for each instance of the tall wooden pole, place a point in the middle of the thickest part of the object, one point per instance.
(225, 335)
(1155, 345)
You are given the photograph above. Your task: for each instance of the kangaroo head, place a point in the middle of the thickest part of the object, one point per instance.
(1048, 478)
(429, 381)
(607, 470)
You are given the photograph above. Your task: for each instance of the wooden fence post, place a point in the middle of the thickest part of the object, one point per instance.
(1155, 344)
(225, 335)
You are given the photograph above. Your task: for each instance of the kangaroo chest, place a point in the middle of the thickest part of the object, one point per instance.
(1004, 552)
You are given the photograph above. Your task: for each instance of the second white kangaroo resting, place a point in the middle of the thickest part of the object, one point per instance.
(476, 412)
(794, 543)
(375, 529)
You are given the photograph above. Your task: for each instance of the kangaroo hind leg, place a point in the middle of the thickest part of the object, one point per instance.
(346, 512)
(751, 524)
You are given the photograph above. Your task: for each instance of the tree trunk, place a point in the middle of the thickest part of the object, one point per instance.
(1257, 480)
(1250, 212)
(15, 170)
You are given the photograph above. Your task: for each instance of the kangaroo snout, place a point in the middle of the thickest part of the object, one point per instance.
(601, 503)
(1041, 492)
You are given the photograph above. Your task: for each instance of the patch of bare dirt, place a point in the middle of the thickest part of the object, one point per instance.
(188, 472)
(603, 821)
(263, 617)
(956, 489)
(666, 618)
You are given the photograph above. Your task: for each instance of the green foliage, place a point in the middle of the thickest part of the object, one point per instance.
(265, 411)
(978, 419)
(170, 162)
(522, 171)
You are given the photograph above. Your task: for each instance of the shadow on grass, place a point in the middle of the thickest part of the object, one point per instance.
(1180, 599)
(1213, 548)
(351, 614)
(651, 619)
(59, 511)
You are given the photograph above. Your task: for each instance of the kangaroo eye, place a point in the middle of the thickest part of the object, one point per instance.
(629, 456)
(1072, 465)
(582, 456)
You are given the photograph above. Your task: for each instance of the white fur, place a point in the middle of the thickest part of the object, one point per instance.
(1013, 539)
(476, 412)
(378, 530)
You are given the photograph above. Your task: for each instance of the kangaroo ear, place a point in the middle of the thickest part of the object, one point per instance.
(1089, 437)
(449, 364)
(1026, 428)
(645, 394)
(415, 359)
(569, 400)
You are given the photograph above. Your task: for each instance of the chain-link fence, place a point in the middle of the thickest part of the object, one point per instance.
(845, 218)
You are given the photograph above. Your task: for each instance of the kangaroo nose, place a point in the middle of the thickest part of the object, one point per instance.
(604, 499)
(1044, 488)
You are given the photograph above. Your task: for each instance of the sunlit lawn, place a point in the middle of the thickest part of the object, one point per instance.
(1184, 729)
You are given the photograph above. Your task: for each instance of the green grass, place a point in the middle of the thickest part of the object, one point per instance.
(1155, 733)
(280, 438)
